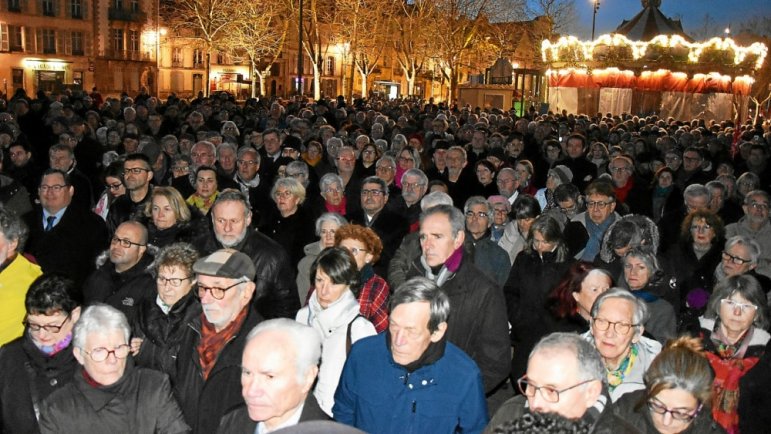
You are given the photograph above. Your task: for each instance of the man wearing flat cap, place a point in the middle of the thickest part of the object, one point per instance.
(208, 378)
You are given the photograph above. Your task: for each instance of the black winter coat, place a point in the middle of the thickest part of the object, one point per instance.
(204, 402)
(162, 334)
(477, 323)
(123, 291)
(238, 421)
(26, 372)
(625, 409)
(275, 294)
(531, 279)
(755, 396)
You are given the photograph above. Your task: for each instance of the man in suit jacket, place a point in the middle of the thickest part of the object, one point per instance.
(390, 226)
(64, 236)
(289, 352)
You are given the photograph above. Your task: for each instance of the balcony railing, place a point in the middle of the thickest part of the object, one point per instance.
(116, 14)
(128, 55)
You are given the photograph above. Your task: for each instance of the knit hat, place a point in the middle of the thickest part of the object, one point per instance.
(563, 173)
(227, 263)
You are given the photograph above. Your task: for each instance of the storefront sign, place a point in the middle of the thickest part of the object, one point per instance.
(46, 65)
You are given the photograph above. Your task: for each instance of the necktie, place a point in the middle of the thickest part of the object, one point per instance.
(50, 222)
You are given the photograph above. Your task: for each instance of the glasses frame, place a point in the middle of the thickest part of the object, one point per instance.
(614, 324)
(113, 351)
(743, 307)
(660, 408)
(735, 259)
(202, 290)
(125, 242)
(48, 327)
(135, 170)
(523, 384)
(170, 281)
(55, 188)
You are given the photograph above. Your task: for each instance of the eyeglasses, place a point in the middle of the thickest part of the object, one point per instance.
(179, 168)
(282, 194)
(480, 214)
(621, 328)
(125, 242)
(372, 192)
(548, 393)
(404, 159)
(619, 169)
(537, 242)
(413, 185)
(54, 188)
(743, 307)
(598, 204)
(698, 228)
(135, 170)
(355, 250)
(759, 206)
(101, 354)
(246, 162)
(115, 186)
(173, 281)
(735, 259)
(679, 415)
(567, 210)
(332, 191)
(503, 181)
(388, 168)
(216, 293)
(48, 327)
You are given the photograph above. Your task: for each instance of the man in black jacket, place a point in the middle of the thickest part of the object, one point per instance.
(137, 174)
(276, 292)
(209, 361)
(290, 352)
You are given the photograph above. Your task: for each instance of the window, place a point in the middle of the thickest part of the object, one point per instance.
(16, 38)
(77, 43)
(76, 9)
(176, 56)
(49, 41)
(117, 40)
(77, 77)
(330, 65)
(48, 8)
(197, 58)
(220, 58)
(14, 5)
(3, 37)
(117, 4)
(134, 5)
(133, 40)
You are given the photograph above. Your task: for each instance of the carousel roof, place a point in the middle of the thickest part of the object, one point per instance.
(649, 23)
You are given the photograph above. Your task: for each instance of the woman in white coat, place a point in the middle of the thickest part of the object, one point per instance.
(333, 311)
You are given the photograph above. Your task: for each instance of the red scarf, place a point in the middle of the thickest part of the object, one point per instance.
(622, 192)
(340, 209)
(212, 342)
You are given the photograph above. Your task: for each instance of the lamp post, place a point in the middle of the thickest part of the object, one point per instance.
(594, 15)
(300, 52)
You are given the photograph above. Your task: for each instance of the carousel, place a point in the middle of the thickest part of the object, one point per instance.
(648, 65)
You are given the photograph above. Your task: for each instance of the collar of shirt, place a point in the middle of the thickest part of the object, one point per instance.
(292, 421)
(58, 216)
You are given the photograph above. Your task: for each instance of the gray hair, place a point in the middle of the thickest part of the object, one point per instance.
(588, 360)
(232, 195)
(435, 198)
(696, 190)
(329, 179)
(639, 311)
(414, 154)
(752, 246)
(290, 184)
(419, 289)
(243, 150)
(479, 200)
(206, 143)
(454, 215)
(714, 186)
(386, 159)
(415, 172)
(305, 340)
(748, 197)
(99, 318)
(13, 228)
(226, 145)
(746, 286)
(648, 257)
(330, 217)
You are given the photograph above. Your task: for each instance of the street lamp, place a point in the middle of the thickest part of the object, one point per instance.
(300, 53)
(594, 15)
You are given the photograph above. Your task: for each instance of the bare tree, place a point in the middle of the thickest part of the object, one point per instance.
(203, 20)
(259, 32)
(561, 12)
(318, 15)
(413, 41)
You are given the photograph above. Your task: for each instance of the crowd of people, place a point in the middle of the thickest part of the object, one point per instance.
(211, 266)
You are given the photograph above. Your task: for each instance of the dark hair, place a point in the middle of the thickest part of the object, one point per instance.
(50, 293)
(114, 170)
(138, 156)
(50, 171)
(525, 207)
(561, 302)
(601, 187)
(567, 191)
(339, 265)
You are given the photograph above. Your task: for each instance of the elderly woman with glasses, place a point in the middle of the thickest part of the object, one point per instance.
(161, 321)
(288, 223)
(334, 312)
(740, 256)
(326, 227)
(677, 394)
(365, 247)
(333, 191)
(109, 394)
(41, 361)
(616, 330)
(733, 330)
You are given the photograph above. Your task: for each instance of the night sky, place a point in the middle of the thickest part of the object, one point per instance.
(722, 13)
